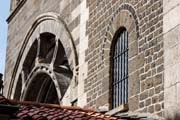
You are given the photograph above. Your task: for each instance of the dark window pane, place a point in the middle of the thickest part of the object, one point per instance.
(120, 70)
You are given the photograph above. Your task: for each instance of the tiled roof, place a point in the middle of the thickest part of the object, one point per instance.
(38, 111)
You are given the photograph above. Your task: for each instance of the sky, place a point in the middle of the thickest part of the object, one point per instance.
(4, 13)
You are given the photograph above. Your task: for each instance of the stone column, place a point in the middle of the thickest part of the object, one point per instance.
(171, 31)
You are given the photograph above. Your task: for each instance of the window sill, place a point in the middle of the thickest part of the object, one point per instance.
(121, 108)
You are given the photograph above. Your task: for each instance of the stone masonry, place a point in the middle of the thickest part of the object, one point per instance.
(171, 58)
(86, 29)
(144, 21)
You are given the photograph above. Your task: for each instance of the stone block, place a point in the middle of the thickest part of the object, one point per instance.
(170, 96)
(133, 49)
(160, 69)
(136, 62)
(133, 103)
(132, 35)
(155, 99)
(141, 104)
(148, 102)
(158, 79)
(105, 84)
(161, 97)
(172, 38)
(174, 21)
(158, 89)
(169, 4)
(144, 95)
(178, 93)
(151, 109)
(134, 84)
(103, 99)
(157, 107)
(171, 75)
(172, 55)
(147, 84)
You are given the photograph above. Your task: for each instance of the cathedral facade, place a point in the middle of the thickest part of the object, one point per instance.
(111, 55)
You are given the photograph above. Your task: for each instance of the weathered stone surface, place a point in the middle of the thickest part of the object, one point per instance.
(136, 62)
(151, 109)
(171, 58)
(157, 107)
(173, 22)
(133, 103)
(144, 95)
(102, 100)
(134, 84)
(92, 25)
(133, 49)
(148, 102)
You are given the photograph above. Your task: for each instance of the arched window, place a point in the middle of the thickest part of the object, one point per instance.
(45, 63)
(120, 69)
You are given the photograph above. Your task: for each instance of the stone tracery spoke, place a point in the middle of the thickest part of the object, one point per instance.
(47, 50)
(48, 92)
(45, 62)
(55, 52)
(38, 51)
(40, 95)
(24, 75)
(30, 61)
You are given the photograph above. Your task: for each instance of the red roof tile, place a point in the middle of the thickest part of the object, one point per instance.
(39, 111)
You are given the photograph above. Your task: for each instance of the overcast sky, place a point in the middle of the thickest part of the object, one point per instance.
(4, 12)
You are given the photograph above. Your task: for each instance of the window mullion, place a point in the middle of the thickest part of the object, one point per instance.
(124, 75)
(116, 97)
(123, 67)
(127, 68)
(114, 77)
(119, 73)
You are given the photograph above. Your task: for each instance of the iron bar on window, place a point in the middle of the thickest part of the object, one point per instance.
(120, 70)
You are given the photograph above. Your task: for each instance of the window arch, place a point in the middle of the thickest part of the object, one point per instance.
(120, 68)
(46, 72)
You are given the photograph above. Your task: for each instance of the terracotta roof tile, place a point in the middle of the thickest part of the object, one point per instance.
(39, 111)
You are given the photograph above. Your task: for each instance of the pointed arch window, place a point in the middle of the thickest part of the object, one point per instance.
(120, 69)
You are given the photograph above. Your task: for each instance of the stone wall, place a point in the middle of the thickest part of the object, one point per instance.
(22, 19)
(144, 22)
(92, 24)
(171, 30)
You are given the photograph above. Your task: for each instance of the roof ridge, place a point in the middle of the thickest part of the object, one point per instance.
(51, 105)
(34, 110)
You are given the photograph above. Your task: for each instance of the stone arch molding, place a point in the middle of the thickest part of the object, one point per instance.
(45, 23)
(125, 16)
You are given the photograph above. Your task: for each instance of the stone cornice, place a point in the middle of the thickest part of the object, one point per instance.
(16, 10)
